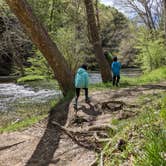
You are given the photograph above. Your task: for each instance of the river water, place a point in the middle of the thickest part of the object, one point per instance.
(13, 94)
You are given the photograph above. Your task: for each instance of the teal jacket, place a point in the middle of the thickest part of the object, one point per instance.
(81, 78)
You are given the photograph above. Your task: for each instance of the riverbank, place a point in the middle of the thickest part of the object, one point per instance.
(112, 129)
(109, 130)
(27, 114)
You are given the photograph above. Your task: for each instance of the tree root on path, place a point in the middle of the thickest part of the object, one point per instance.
(9, 146)
(119, 105)
(94, 163)
(100, 139)
(101, 159)
(87, 130)
(87, 137)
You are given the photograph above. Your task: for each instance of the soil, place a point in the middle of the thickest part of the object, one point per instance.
(73, 144)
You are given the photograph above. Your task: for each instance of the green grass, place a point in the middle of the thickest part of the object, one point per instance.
(30, 78)
(24, 115)
(22, 124)
(152, 77)
(41, 84)
(145, 135)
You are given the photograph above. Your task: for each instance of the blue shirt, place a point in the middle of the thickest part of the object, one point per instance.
(116, 66)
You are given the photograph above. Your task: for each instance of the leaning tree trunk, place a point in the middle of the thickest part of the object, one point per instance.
(40, 37)
(104, 66)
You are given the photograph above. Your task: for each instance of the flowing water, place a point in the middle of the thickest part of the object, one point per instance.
(13, 94)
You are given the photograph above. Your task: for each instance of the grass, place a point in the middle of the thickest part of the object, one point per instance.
(24, 116)
(22, 124)
(29, 114)
(39, 83)
(145, 135)
(152, 77)
(30, 78)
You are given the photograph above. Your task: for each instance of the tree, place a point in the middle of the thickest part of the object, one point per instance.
(148, 10)
(95, 39)
(40, 37)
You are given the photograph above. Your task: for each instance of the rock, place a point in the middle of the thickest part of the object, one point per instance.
(121, 145)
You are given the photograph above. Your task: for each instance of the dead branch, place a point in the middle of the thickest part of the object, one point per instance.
(101, 159)
(94, 163)
(100, 139)
(86, 130)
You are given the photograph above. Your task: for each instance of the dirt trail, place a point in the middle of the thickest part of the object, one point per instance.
(46, 144)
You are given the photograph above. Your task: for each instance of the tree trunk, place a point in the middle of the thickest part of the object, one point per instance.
(149, 16)
(97, 14)
(40, 37)
(104, 66)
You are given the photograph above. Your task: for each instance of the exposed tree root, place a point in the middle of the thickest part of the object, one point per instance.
(86, 130)
(94, 163)
(116, 105)
(9, 146)
(100, 139)
(87, 137)
(101, 159)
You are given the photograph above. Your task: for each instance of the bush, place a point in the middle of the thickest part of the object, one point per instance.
(152, 51)
(30, 78)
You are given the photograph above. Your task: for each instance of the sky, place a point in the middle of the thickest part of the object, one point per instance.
(107, 2)
(112, 3)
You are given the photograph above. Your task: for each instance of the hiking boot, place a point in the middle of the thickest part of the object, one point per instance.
(75, 104)
(87, 100)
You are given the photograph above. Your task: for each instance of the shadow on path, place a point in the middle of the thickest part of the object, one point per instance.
(154, 86)
(44, 152)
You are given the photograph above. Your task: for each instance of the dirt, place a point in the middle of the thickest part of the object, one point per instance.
(47, 144)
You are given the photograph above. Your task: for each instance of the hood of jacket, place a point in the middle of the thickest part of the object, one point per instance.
(81, 71)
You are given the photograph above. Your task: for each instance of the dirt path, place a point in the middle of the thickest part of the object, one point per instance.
(46, 144)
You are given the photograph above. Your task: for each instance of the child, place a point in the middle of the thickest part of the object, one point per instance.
(108, 56)
(81, 82)
(116, 66)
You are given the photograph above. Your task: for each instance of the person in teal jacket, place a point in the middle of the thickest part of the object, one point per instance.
(81, 82)
(116, 66)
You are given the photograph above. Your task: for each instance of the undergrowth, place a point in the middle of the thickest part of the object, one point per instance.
(145, 136)
(151, 77)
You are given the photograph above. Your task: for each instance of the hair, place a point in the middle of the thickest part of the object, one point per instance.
(115, 58)
(84, 66)
(105, 53)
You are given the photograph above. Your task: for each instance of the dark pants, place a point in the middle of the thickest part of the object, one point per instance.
(116, 79)
(78, 93)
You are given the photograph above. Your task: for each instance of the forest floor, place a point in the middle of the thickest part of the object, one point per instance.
(67, 138)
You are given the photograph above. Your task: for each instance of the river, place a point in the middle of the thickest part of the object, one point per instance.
(12, 94)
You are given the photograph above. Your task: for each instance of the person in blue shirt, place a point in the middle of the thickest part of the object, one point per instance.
(116, 66)
(81, 82)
